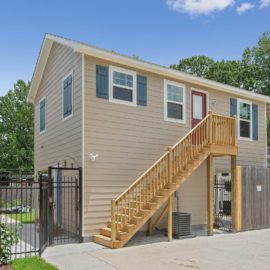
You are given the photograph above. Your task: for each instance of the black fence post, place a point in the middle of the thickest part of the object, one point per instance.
(80, 204)
(41, 214)
(50, 217)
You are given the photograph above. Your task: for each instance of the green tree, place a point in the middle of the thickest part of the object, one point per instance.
(252, 72)
(257, 63)
(195, 65)
(16, 129)
(228, 72)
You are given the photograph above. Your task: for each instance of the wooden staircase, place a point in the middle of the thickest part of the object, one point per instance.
(215, 135)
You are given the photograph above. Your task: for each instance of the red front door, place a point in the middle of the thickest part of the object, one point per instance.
(198, 107)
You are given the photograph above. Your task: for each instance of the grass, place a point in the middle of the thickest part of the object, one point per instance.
(25, 217)
(33, 263)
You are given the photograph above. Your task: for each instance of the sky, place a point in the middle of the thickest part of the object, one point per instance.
(159, 31)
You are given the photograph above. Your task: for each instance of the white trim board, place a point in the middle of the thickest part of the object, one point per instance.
(83, 141)
(134, 63)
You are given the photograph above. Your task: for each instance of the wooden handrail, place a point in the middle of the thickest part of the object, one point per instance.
(147, 171)
(191, 131)
(213, 129)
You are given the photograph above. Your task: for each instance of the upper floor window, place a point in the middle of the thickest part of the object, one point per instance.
(68, 96)
(174, 98)
(244, 116)
(42, 115)
(122, 86)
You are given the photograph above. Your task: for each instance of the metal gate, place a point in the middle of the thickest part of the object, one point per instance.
(222, 202)
(41, 213)
(61, 206)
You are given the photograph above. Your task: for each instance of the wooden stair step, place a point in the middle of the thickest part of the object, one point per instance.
(137, 219)
(145, 211)
(127, 225)
(109, 223)
(129, 209)
(106, 241)
(148, 205)
(120, 235)
(171, 186)
(106, 232)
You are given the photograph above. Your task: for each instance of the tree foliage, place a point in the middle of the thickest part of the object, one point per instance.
(8, 238)
(252, 72)
(16, 129)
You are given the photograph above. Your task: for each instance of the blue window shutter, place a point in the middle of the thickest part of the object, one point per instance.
(233, 108)
(102, 82)
(255, 122)
(67, 96)
(42, 122)
(141, 90)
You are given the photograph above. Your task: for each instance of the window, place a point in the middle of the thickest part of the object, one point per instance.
(197, 107)
(244, 116)
(68, 96)
(42, 115)
(174, 97)
(123, 86)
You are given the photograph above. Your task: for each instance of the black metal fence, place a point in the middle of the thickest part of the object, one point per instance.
(44, 212)
(19, 212)
(222, 202)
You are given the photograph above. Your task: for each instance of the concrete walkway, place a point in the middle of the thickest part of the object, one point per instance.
(248, 250)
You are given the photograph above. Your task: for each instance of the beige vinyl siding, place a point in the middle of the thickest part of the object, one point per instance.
(129, 139)
(193, 196)
(62, 138)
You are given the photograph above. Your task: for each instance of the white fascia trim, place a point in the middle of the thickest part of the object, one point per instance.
(39, 68)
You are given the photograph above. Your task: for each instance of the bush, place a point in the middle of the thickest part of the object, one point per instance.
(8, 238)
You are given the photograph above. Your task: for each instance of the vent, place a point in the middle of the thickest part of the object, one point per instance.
(181, 224)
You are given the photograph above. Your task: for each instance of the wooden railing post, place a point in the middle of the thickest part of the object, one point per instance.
(238, 199)
(210, 127)
(113, 225)
(170, 167)
(210, 195)
(170, 206)
(235, 132)
(233, 192)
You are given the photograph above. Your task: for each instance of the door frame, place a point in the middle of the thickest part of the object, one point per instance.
(191, 102)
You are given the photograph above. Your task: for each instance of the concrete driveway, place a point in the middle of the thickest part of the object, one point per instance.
(248, 250)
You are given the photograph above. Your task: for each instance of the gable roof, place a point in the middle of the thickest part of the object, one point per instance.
(129, 61)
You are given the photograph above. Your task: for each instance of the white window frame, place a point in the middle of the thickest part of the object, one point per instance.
(250, 121)
(43, 131)
(166, 118)
(72, 96)
(112, 84)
